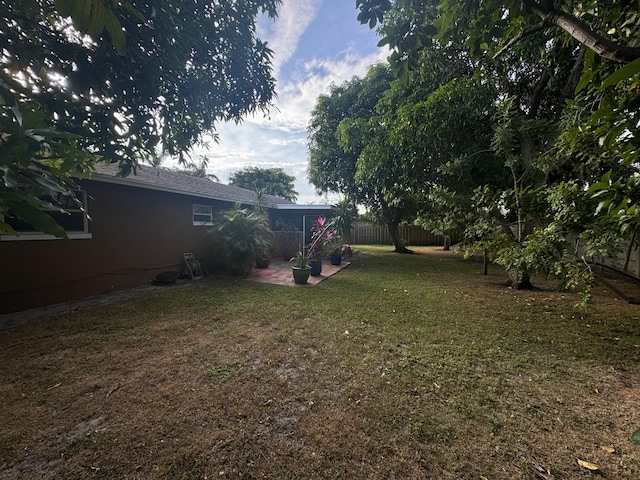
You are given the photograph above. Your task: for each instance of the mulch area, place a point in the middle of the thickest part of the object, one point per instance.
(279, 272)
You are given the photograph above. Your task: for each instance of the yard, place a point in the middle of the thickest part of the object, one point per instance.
(398, 367)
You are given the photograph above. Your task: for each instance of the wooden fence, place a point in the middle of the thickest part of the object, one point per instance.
(379, 235)
(289, 242)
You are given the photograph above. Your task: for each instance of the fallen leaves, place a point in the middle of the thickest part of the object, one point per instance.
(588, 465)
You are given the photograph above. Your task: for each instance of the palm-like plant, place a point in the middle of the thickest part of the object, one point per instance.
(345, 216)
(244, 235)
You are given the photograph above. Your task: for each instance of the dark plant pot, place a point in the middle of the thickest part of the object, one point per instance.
(240, 270)
(166, 278)
(336, 259)
(301, 274)
(241, 265)
(316, 267)
(263, 262)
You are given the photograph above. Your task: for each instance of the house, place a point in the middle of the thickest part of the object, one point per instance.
(136, 228)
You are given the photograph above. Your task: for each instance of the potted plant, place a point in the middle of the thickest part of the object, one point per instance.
(323, 235)
(345, 214)
(337, 253)
(301, 269)
(244, 235)
(310, 257)
(263, 257)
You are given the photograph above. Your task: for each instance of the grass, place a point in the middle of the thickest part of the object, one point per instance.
(400, 366)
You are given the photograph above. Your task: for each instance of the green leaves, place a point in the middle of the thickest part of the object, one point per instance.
(36, 162)
(36, 217)
(623, 73)
(66, 92)
(93, 17)
(636, 437)
(268, 181)
(243, 235)
(372, 11)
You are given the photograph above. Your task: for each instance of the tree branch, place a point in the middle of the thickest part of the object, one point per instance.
(538, 93)
(574, 76)
(584, 34)
(525, 33)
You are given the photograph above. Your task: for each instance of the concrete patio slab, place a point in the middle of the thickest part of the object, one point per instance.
(279, 273)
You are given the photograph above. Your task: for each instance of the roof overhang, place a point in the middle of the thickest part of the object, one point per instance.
(128, 181)
(138, 184)
(295, 206)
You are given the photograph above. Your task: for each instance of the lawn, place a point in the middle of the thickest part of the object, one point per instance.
(397, 367)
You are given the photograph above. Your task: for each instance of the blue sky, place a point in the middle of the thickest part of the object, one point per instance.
(315, 43)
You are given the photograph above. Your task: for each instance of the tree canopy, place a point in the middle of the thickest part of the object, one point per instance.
(562, 122)
(331, 167)
(265, 181)
(124, 81)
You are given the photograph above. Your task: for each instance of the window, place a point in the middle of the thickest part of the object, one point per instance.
(202, 214)
(74, 220)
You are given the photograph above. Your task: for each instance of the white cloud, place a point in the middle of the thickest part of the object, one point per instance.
(280, 139)
(285, 141)
(283, 35)
(297, 97)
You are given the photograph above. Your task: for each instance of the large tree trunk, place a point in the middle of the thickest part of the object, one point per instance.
(395, 237)
(627, 255)
(523, 282)
(485, 262)
(447, 243)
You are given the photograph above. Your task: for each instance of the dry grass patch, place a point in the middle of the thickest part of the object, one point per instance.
(397, 367)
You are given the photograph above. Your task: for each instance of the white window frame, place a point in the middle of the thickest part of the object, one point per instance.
(72, 235)
(208, 214)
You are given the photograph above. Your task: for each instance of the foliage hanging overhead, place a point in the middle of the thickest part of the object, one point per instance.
(129, 79)
(158, 75)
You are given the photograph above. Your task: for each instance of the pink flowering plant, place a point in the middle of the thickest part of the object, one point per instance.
(323, 239)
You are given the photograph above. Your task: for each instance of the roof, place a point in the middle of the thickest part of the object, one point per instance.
(166, 180)
(309, 206)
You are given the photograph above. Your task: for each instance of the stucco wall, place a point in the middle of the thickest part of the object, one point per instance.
(136, 234)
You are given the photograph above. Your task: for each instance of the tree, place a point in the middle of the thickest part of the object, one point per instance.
(125, 79)
(350, 154)
(544, 52)
(452, 131)
(331, 167)
(197, 170)
(392, 156)
(379, 176)
(269, 181)
(498, 25)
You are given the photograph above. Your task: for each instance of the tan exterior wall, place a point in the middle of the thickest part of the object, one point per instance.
(136, 234)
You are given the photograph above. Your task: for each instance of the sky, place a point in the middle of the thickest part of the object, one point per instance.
(316, 43)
